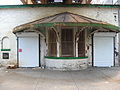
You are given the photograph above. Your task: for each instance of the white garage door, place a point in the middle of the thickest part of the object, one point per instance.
(28, 52)
(103, 51)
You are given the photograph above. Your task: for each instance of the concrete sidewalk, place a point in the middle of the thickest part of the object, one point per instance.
(39, 79)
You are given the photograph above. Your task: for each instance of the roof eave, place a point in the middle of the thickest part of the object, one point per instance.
(60, 5)
(107, 26)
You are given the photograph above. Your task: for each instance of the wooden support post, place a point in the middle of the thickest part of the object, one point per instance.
(58, 40)
(42, 1)
(33, 1)
(23, 1)
(84, 1)
(88, 1)
(76, 53)
(58, 49)
(30, 2)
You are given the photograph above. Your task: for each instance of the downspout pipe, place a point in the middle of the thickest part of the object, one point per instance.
(17, 49)
(119, 38)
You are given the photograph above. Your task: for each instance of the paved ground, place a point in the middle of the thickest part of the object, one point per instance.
(38, 79)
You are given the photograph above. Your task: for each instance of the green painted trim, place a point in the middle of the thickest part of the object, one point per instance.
(5, 49)
(109, 26)
(65, 57)
(59, 5)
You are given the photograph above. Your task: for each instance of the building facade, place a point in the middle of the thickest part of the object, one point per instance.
(60, 37)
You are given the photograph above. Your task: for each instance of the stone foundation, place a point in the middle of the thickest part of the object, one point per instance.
(6, 63)
(66, 64)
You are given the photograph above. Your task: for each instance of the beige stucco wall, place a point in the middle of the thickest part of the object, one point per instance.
(12, 17)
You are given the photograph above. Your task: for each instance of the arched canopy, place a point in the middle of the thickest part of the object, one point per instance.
(66, 19)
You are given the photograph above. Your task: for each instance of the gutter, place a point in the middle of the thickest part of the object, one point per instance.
(60, 5)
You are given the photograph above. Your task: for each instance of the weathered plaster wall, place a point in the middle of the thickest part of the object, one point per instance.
(10, 18)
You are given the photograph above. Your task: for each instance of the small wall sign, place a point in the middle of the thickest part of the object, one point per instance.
(5, 56)
(20, 50)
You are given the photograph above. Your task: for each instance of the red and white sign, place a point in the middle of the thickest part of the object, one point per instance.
(20, 50)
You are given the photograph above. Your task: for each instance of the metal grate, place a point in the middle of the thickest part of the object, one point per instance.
(81, 44)
(67, 42)
(52, 43)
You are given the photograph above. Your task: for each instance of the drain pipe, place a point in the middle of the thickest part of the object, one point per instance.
(119, 38)
(17, 50)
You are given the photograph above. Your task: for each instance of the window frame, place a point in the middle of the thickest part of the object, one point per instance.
(48, 54)
(84, 41)
(67, 28)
